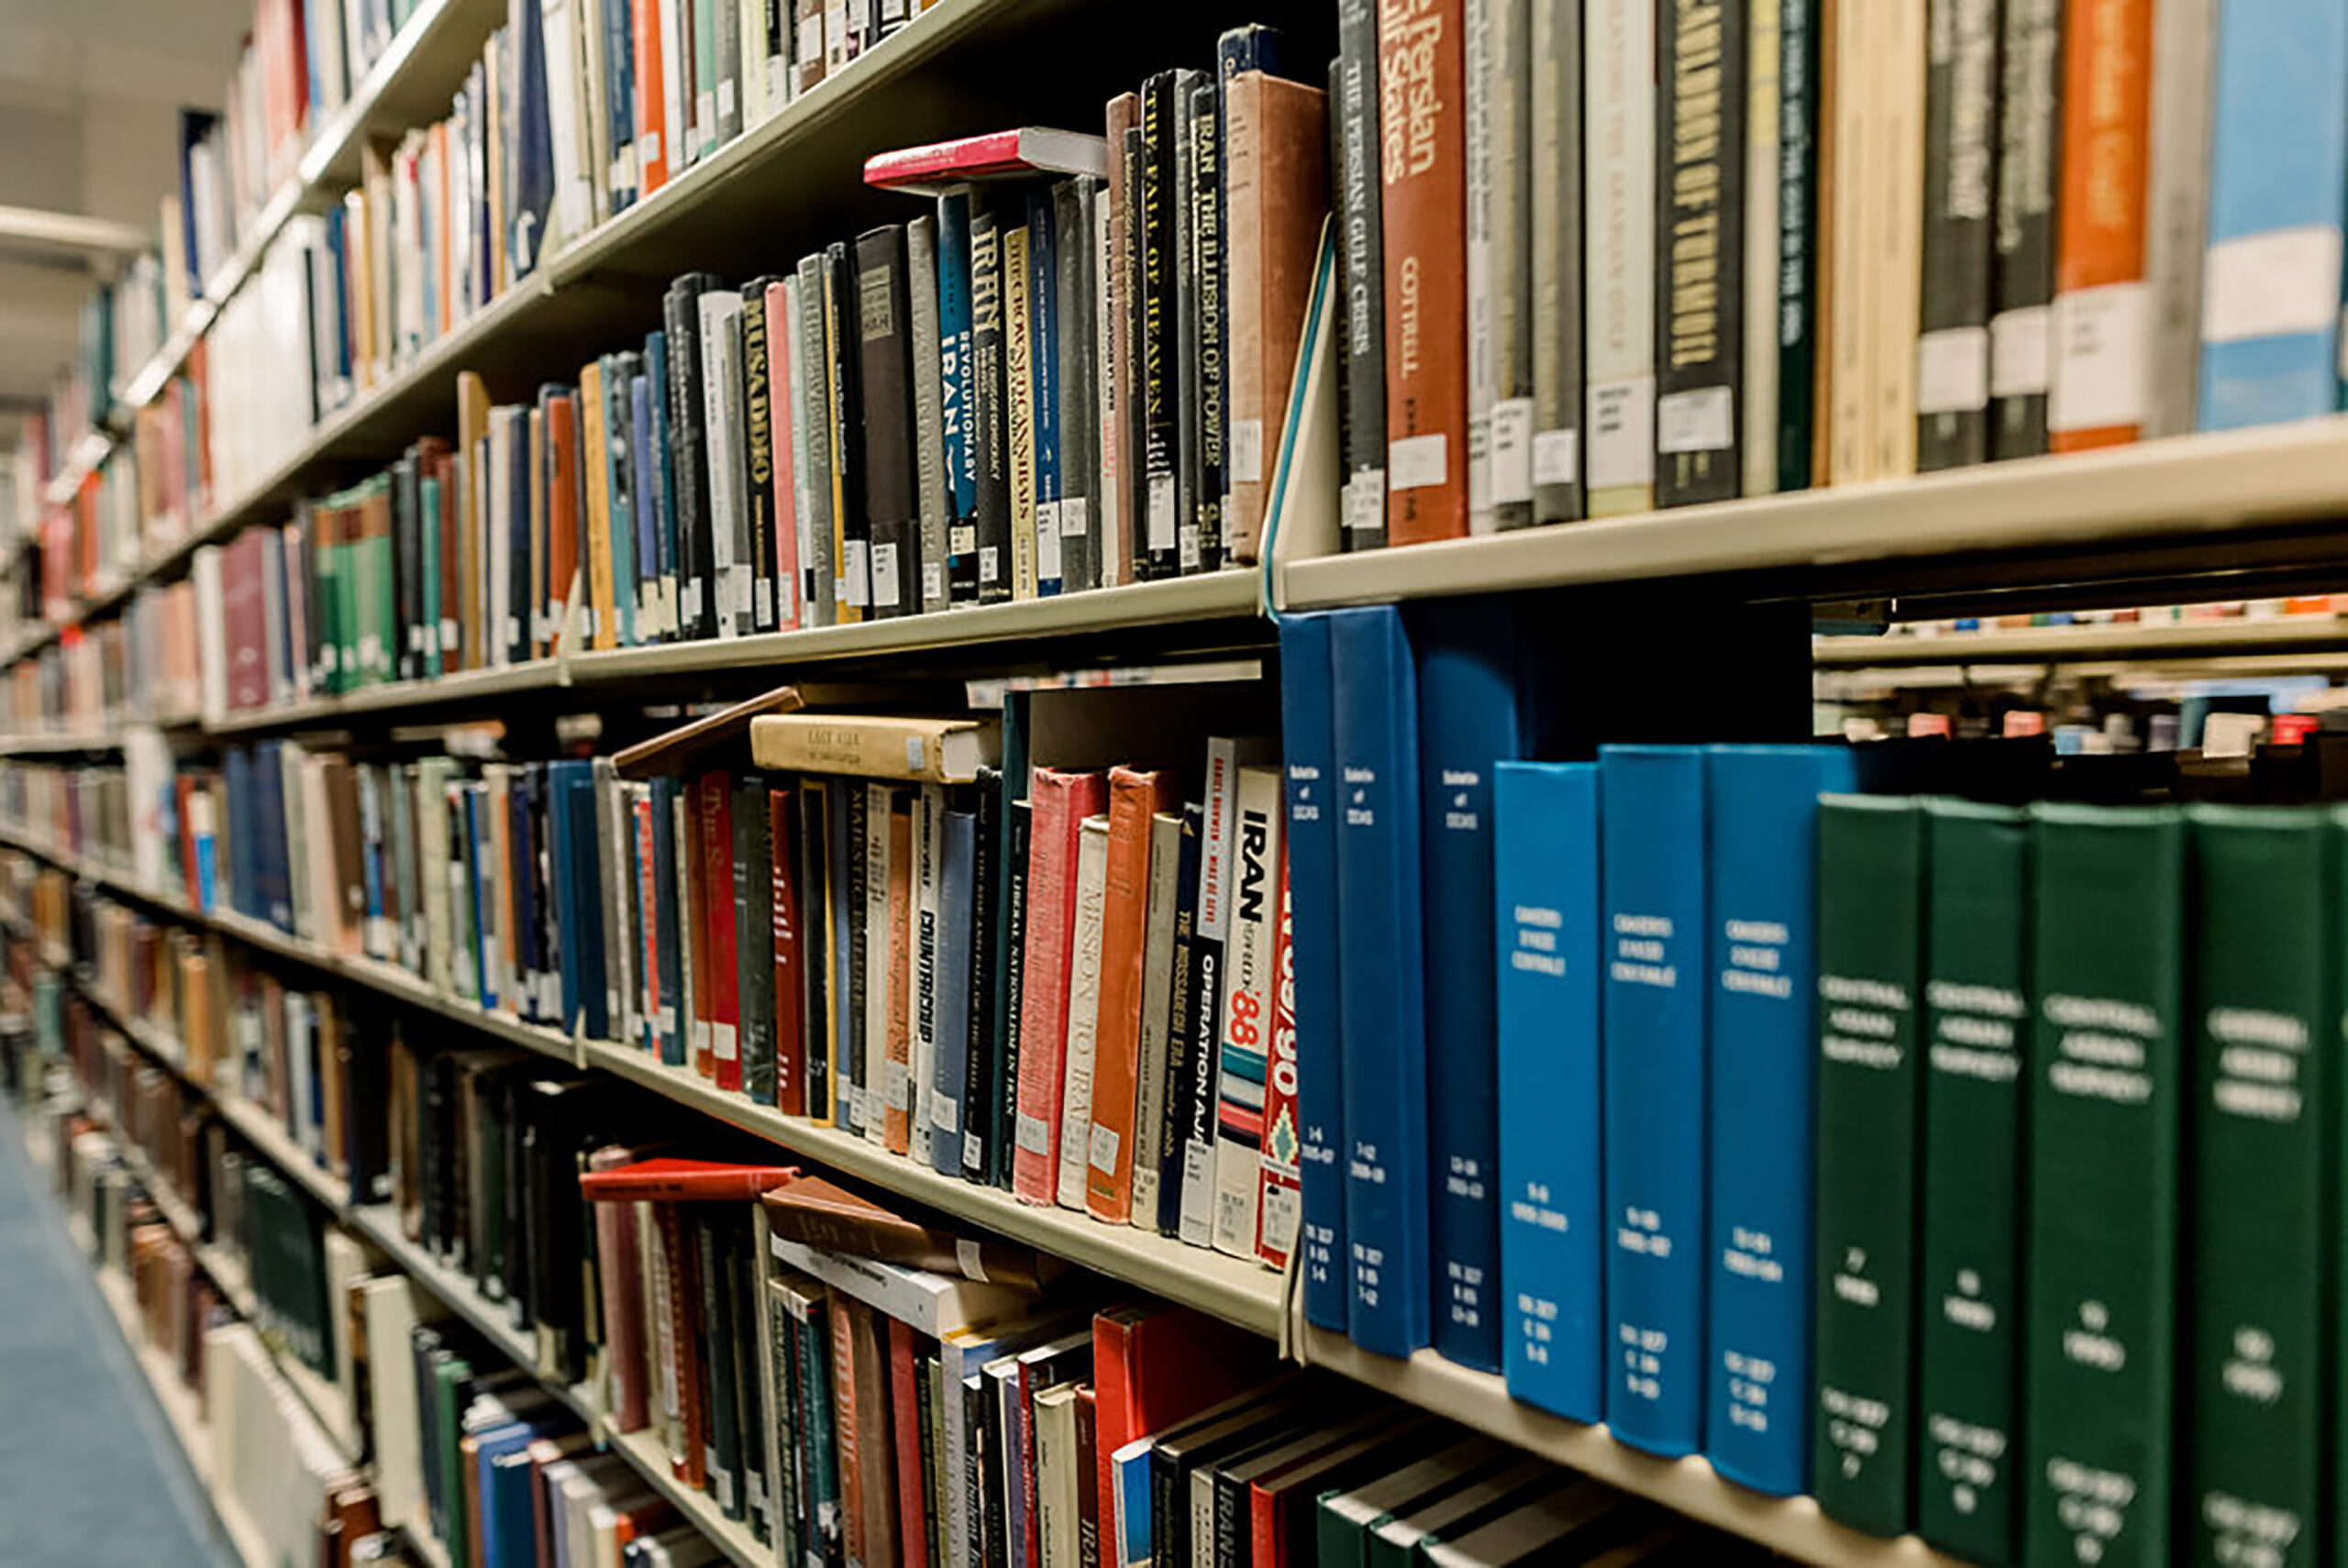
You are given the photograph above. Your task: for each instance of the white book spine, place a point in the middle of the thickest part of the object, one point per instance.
(718, 308)
(1246, 1006)
(1618, 255)
(1214, 924)
(1083, 1009)
(673, 133)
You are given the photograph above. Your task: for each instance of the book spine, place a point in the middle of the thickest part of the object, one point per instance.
(1893, 203)
(1019, 402)
(1762, 850)
(2106, 1111)
(1134, 415)
(1108, 1170)
(784, 501)
(1043, 387)
(1652, 805)
(1851, 148)
(851, 520)
(981, 1039)
(819, 583)
(1010, 999)
(1977, 1011)
(1245, 1011)
(958, 913)
(1953, 351)
(695, 605)
(1423, 129)
(1545, 904)
(1381, 974)
(1308, 738)
(1182, 1039)
(1183, 369)
(1211, 247)
(1059, 809)
(991, 444)
(1618, 256)
(2278, 205)
(758, 458)
(1757, 411)
(1478, 64)
(2176, 205)
(2102, 317)
(1158, 346)
(789, 957)
(956, 394)
(1699, 279)
(891, 495)
(1355, 139)
(1870, 915)
(1194, 1099)
(933, 488)
(753, 889)
(1279, 1196)
(1074, 207)
(2021, 261)
(1114, 307)
(1081, 1052)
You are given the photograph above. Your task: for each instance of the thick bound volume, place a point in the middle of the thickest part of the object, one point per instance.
(1470, 683)
(1552, 1251)
(1553, 266)
(1761, 944)
(1307, 737)
(991, 510)
(1700, 252)
(1161, 269)
(1360, 210)
(2107, 1099)
(1618, 239)
(681, 316)
(2103, 316)
(1381, 979)
(2021, 265)
(1968, 1332)
(1953, 349)
(2267, 888)
(1652, 809)
(1423, 129)
(883, 334)
(2278, 204)
(1870, 905)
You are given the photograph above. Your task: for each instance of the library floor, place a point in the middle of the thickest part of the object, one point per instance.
(88, 1475)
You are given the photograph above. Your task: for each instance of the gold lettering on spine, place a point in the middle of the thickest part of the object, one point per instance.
(1695, 236)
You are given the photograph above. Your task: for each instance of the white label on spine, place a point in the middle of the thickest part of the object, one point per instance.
(726, 1042)
(1555, 457)
(2019, 362)
(1104, 1149)
(2100, 338)
(933, 583)
(1280, 1214)
(1032, 1135)
(1702, 419)
(738, 584)
(1247, 451)
(447, 636)
(885, 582)
(1622, 432)
(946, 1114)
(649, 144)
(725, 97)
(915, 751)
(1161, 512)
(1512, 451)
(704, 115)
(1047, 540)
(896, 1086)
(974, 1151)
(857, 581)
(989, 564)
(762, 598)
(811, 43)
(1416, 462)
(778, 82)
(1365, 501)
(689, 594)
(2283, 283)
(1952, 371)
(1187, 546)
(971, 1257)
(1076, 517)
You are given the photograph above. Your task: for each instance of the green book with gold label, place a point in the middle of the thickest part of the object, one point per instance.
(2106, 1093)
(2265, 1006)
(1870, 919)
(1975, 1028)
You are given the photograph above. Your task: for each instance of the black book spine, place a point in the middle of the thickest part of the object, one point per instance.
(619, 469)
(1554, 256)
(1135, 410)
(855, 566)
(1002, 1088)
(1160, 267)
(1359, 207)
(753, 936)
(2022, 272)
(988, 413)
(978, 1067)
(1207, 244)
(814, 952)
(1699, 250)
(1180, 1028)
(1183, 356)
(743, 1284)
(1800, 103)
(1072, 382)
(758, 454)
(884, 343)
(1953, 352)
(721, 1450)
(851, 1006)
(681, 314)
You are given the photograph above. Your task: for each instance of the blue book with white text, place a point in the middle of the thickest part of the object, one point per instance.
(957, 375)
(1381, 977)
(647, 497)
(1651, 810)
(1307, 737)
(1545, 977)
(1760, 967)
(1043, 379)
(953, 992)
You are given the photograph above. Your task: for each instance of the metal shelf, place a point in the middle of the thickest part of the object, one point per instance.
(2087, 644)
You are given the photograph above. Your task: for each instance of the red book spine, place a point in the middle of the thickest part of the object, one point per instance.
(1112, 1337)
(652, 157)
(1422, 124)
(684, 1345)
(715, 933)
(904, 1398)
(994, 152)
(741, 1183)
(790, 1038)
(1062, 801)
(1277, 1183)
(645, 885)
(692, 916)
(781, 344)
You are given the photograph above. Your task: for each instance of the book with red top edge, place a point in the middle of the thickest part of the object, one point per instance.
(671, 1180)
(995, 155)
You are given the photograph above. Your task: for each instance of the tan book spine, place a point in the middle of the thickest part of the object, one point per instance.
(1896, 252)
(920, 750)
(595, 483)
(897, 1090)
(1851, 111)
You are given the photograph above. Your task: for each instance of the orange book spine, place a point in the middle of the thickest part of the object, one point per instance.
(905, 1400)
(848, 1319)
(896, 1121)
(1061, 802)
(1421, 137)
(652, 157)
(1134, 797)
(440, 225)
(562, 514)
(2102, 304)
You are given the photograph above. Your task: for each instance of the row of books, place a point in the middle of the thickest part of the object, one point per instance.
(143, 666)
(1599, 259)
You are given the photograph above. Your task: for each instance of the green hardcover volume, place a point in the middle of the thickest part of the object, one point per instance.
(1976, 1019)
(2265, 903)
(2108, 959)
(1870, 917)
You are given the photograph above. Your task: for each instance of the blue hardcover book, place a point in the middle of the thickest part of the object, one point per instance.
(956, 388)
(620, 484)
(647, 495)
(619, 99)
(478, 878)
(664, 463)
(1547, 986)
(1469, 697)
(1044, 377)
(370, 859)
(521, 615)
(673, 1026)
(958, 877)
(582, 932)
(1381, 977)
(529, 142)
(521, 821)
(244, 882)
(1308, 735)
(2278, 185)
(276, 877)
(1761, 969)
(508, 1511)
(1650, 809)
(563, 886)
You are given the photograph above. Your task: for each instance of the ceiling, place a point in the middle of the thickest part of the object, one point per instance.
(89, 95)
